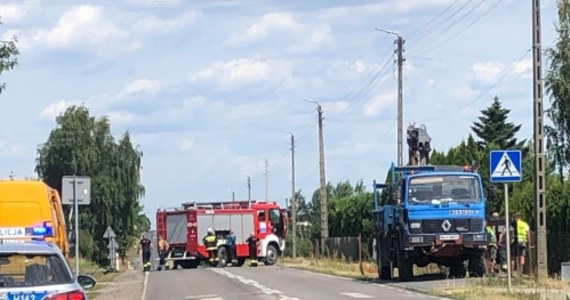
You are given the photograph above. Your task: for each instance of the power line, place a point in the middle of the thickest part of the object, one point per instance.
(446, 115)
(464, 28)
(412, 34)
(435, 28)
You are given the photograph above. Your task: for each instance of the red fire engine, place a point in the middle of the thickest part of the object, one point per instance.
(185, 227)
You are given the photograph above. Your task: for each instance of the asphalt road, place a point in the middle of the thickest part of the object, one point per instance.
(267, 283)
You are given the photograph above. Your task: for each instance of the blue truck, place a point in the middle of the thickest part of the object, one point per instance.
(429, 214)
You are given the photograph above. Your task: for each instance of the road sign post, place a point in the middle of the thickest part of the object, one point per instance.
(505, 166)
(76, 191)
(112, 246)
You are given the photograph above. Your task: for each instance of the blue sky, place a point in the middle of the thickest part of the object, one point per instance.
(206, 87)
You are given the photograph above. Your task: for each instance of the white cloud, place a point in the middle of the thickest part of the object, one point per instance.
(186, 145)
(2, 144)
(523, 68)
(358, 66)
(243, 71)
(379, 102)
(120, 117)
(142, 85)
(55, 109)
(153, 2)
(153, 24)
(462, 92)
(430, 82)
(12, 12)
(268, 23)
(488, 72)
(17, 149)
(386, 7)
(338, 107)
(311, 41)
(84, 24)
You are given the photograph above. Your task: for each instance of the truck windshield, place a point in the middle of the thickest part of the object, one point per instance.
(460, 189)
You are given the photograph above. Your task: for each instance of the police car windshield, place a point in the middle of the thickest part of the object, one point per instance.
(31, 270)
(458, 189)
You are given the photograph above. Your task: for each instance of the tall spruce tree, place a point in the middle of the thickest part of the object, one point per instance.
(557, 83)
(493, 127)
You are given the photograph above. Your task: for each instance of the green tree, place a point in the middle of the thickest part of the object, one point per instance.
(557, 83)
(493, 127)
(8, 57)
(83, 145)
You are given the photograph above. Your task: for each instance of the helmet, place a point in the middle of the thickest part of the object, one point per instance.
(210, 230)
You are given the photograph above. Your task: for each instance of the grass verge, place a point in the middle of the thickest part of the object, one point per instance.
(523, 288)
(495, 288)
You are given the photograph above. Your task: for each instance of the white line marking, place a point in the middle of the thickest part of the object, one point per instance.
(358, 295)
(204, 297)
(144, 286)
(254, 283)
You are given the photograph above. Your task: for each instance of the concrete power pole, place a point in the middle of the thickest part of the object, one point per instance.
(248, 188)
(400, 51)
(293, 197)
(266, 180)
(324, 200)
(539, 185)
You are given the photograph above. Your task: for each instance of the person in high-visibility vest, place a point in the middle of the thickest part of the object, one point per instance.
(491, 253)
(211, 244)
(522, 239)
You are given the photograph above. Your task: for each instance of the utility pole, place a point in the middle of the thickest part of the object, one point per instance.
(293, 196)
(539, 184)
(324, 201)
(400, 51)
(266, 173)
(248, 188)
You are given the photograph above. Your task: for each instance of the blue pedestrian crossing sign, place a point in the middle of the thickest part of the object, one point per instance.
(505, 166)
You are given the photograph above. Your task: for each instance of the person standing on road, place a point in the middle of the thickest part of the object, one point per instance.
(252, 242)
(163, 248)
(232, 244)
(211, 244)
(523, 238)
(491, 253)
(145, 246)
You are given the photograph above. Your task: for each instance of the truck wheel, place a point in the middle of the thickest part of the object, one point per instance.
(271, 256)
(222, 257)
(384, 271)
(240, 261)
(477, 264)
(405, 268)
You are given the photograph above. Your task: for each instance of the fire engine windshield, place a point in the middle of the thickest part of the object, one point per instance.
(458, 189)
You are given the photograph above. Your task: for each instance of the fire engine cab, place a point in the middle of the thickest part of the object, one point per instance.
(185, 227)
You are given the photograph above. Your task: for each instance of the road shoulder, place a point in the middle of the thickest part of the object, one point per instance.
(127, 285)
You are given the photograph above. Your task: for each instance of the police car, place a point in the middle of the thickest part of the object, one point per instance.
(36, 270)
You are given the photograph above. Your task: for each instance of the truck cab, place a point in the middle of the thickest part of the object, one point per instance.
(430, 214)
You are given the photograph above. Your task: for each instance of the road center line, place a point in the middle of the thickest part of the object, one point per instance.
(144, 285)
(254, 283)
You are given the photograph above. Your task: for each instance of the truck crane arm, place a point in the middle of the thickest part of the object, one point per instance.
(419, 145)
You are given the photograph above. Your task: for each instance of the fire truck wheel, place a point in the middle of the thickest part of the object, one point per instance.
(271, 256)
(222, 257)
(240, 261)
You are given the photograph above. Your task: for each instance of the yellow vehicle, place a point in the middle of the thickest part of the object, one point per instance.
(32, 210)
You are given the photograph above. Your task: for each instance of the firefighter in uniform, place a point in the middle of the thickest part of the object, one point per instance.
(211, 244)
(163, 247)
(145, 245)
(252, 242)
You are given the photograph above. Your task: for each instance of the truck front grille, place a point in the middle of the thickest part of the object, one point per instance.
(456, 226)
